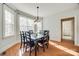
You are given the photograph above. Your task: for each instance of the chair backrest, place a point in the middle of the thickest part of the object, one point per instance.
(22, 35)
(29, 40)
(31, 31)
(46, 35)
(28, 36)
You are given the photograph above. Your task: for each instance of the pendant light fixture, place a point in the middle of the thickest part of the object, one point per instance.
(37, 17)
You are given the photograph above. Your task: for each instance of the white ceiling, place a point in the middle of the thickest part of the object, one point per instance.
(45, 9)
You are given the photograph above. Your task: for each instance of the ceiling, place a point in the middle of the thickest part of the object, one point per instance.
(45, 9)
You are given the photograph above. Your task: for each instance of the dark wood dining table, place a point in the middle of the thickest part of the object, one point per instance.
(36, 38)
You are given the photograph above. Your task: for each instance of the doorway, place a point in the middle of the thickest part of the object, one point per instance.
(67, 29)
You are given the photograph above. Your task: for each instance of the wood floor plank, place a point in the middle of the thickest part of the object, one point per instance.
(51, 51)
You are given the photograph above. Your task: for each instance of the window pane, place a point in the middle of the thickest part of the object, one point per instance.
(23, 23)
(9, 23)
(30, 24)
(26, 24)
(39, 26)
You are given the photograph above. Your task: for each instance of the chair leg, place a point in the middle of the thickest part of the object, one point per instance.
(38, 48)
(21, 46)
(43, 48)
(26, 47)
(47, 45)
(30, 51)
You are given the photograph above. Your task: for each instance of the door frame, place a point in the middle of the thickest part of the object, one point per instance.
(73, 24)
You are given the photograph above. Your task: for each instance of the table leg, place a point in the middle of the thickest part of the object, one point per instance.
(36, 49)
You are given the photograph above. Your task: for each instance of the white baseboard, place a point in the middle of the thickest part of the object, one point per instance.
(76, 44)
(56, 40)
(60, 41)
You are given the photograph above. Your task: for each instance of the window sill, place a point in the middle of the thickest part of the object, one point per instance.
(8, 36)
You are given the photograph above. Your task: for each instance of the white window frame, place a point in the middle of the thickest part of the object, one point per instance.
(19, 21)
(27, 26)
(5, 7)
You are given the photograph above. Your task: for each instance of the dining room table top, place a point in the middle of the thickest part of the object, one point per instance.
(36, 36)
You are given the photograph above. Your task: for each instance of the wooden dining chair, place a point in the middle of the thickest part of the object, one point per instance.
(24, 42)
(46, 37)
(44, 40)
(22, 39)
(30, 43)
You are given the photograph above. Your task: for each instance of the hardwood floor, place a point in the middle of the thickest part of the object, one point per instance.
(55, 49)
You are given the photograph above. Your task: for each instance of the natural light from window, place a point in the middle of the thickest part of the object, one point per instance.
(64, 49)
(26, 23)
(9, 23)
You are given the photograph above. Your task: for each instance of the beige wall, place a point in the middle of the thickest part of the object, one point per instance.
(53, 24)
